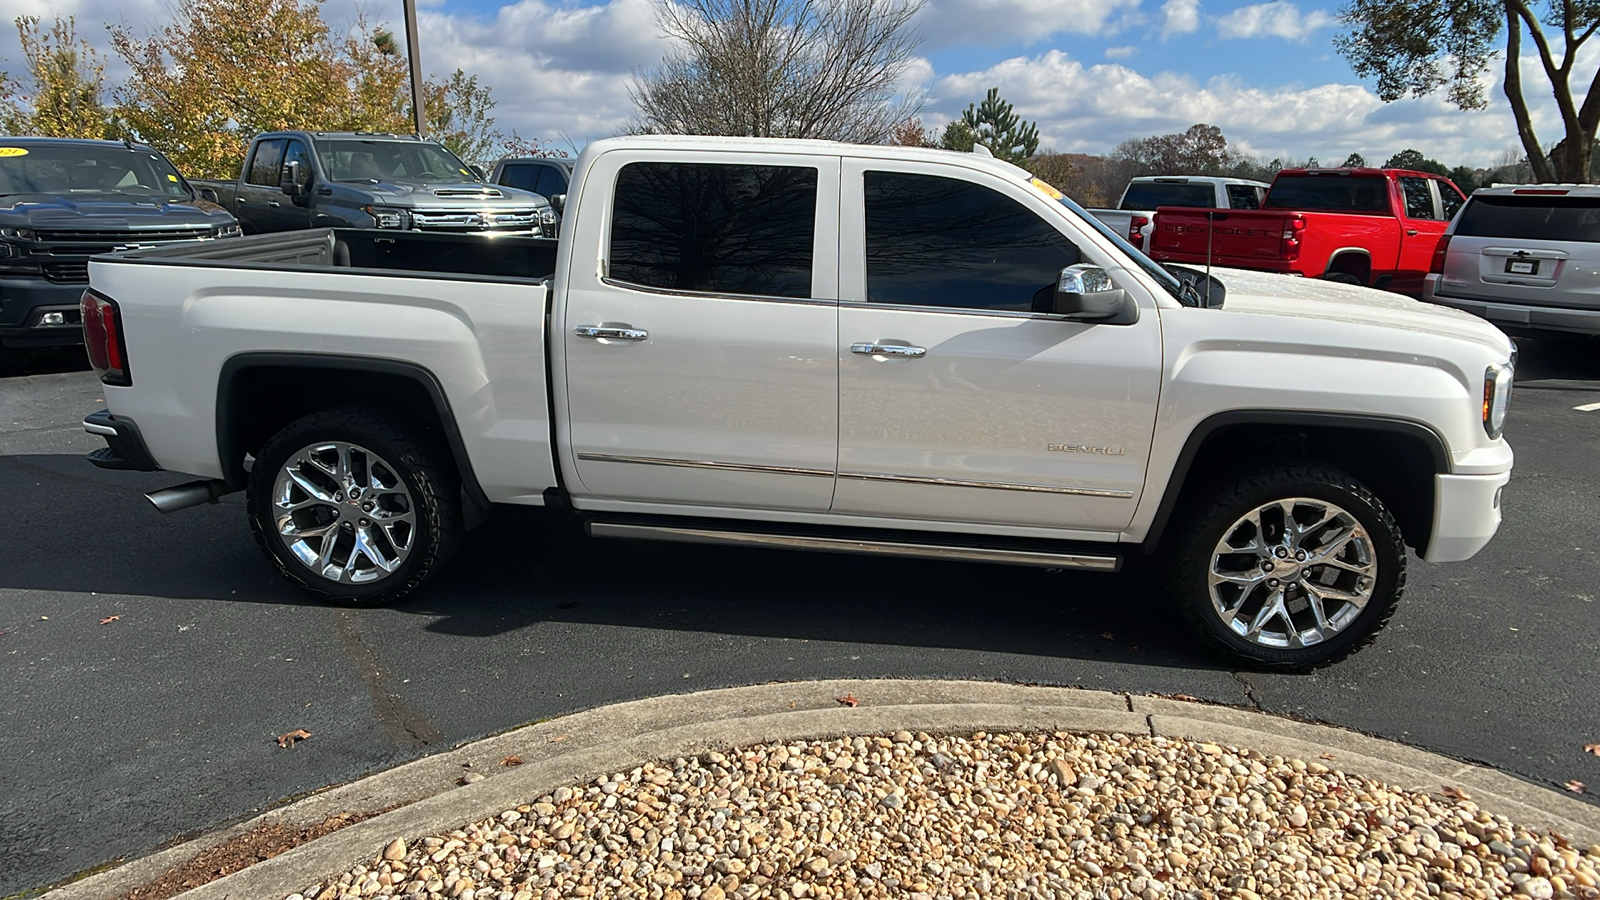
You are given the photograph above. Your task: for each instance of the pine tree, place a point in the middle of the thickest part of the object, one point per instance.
(997, 127)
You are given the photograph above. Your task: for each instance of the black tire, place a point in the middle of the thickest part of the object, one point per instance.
(1341, 278)
(401, 456)
(1220, 516)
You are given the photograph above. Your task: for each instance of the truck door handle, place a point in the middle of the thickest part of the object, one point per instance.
(273, 203)
(611, 332)
(1411, 232)
(898, 351)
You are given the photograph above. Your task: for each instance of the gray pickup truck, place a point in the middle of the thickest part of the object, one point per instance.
(298, 179)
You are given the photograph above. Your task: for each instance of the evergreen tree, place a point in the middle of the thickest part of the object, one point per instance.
(996, 126)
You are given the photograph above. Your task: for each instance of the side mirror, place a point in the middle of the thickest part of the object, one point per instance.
(1085, 293)
(478, 171)
(559, 202)
(291, 184)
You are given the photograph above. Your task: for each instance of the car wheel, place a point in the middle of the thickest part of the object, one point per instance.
(1290, 567)
(353, 507)
(1341, 278)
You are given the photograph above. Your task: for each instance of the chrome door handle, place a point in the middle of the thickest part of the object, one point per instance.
(611, 332)
(899, 351)
(273, 203)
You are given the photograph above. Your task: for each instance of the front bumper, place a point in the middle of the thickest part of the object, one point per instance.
(26, 302)
(1517, 315)
(1466, 514)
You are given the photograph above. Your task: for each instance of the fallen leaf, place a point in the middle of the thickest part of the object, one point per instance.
(849, 700)
(511, 761)
(1587, 748)
(1183, 697)
(1326, 756)
(109, 619)
(1455, 793)
(1107, 635)
(288, 740)
(559, 738)
(1575, 786)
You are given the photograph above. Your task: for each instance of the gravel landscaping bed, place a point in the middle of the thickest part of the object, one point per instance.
(987, 815)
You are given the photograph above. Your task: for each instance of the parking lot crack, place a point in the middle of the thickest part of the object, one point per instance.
(1249, 690)
(403, 725)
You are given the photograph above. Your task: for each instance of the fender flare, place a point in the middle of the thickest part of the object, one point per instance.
(475, 504)
(1437, 449)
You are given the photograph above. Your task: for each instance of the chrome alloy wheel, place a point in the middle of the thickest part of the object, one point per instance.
(344, 512)
(1292, 573)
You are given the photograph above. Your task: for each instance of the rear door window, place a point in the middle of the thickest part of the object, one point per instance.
(1532, 216)
(1419, 197)
(1244, 196)
(715, 228)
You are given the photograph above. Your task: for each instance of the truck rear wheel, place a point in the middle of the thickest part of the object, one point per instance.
(1290, 567)
(353, 507)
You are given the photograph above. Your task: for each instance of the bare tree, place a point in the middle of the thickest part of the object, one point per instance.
(780, 68)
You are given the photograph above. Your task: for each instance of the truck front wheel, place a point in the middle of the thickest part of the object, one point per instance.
(352, 507)
(1289, 567)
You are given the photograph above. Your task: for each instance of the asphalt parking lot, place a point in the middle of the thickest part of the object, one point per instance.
(117, 738)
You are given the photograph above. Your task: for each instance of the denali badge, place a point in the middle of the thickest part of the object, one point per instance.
(1080, 448)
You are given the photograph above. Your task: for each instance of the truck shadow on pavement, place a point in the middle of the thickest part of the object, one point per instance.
(93, 532)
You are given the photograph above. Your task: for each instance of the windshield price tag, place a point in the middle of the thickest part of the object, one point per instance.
(12, 151)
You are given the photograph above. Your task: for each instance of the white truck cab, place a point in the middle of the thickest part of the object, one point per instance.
(782, 343)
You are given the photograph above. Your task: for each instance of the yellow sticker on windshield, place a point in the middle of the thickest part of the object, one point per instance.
(172, 178)
(1045, 189)
(465, 172)
(12, 151)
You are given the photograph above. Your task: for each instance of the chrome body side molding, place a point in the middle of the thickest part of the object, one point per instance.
(704, 464)
(991, 485)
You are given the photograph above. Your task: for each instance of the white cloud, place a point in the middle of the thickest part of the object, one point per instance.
(944, 23)
(1121, 52)
(1179, 17)
(1092, 108)
(1278, 18)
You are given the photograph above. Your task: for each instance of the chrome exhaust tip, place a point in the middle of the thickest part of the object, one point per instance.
(183, 496)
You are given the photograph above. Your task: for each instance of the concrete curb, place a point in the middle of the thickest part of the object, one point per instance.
(596, 742)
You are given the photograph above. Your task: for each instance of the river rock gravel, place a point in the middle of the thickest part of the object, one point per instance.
(987, 815)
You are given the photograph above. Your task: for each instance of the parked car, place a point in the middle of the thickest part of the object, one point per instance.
(297, 179)
(1375, 227)
(1136, 211)
(62, 201)
(1525, 257)
(778, 343)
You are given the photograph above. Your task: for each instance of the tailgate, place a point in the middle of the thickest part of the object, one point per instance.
(1247, 238)
(1535, 249)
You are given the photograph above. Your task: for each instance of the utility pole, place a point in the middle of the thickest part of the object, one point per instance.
(415, 58)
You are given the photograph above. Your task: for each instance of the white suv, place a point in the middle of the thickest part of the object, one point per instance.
(1523, 257)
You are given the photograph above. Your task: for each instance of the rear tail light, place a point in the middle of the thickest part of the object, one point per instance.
(1294, 230)
(1136, 226)
(1439, 252)
(102, 337)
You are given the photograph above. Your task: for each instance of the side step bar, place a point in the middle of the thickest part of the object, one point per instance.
(698, 535)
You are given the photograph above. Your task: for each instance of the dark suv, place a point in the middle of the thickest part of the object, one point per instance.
(61, 202)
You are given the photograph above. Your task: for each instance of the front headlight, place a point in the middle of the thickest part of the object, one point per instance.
(1496, 398)
(387, 216)
(547, 215)
(222, 231)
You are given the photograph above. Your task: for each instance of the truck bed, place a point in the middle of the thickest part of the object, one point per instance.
(370, 250)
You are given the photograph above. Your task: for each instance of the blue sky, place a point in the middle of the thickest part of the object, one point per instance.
(1092, 73)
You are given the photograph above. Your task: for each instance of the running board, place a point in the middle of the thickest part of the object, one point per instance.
(694, 535)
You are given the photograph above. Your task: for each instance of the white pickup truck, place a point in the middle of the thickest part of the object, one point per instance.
(1135, 215)
(784, 344)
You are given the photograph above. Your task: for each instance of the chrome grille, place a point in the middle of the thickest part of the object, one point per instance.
(490, 220)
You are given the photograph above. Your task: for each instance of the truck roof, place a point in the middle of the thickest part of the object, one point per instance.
(72, 142)
(804, 146)
(1368, 171)
(348, 135)
(1203, 179)
(1551, 189)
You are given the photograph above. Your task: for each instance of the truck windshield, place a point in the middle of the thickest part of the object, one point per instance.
(356, 159)
(88, 169)
(1359, 194)
(1151, 194)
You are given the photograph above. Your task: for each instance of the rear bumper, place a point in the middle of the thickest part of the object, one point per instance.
(124, 447)
(1466, 514)
(1516, 315)
(24, 303)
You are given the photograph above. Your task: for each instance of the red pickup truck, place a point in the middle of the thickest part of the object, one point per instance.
(1376, 227)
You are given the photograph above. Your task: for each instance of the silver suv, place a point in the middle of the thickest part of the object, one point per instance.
(1523, 257)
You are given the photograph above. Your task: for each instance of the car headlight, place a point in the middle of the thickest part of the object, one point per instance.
(19, 234)
(222, 231)
(547, 215)
(386, 216)
(1496, 398)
